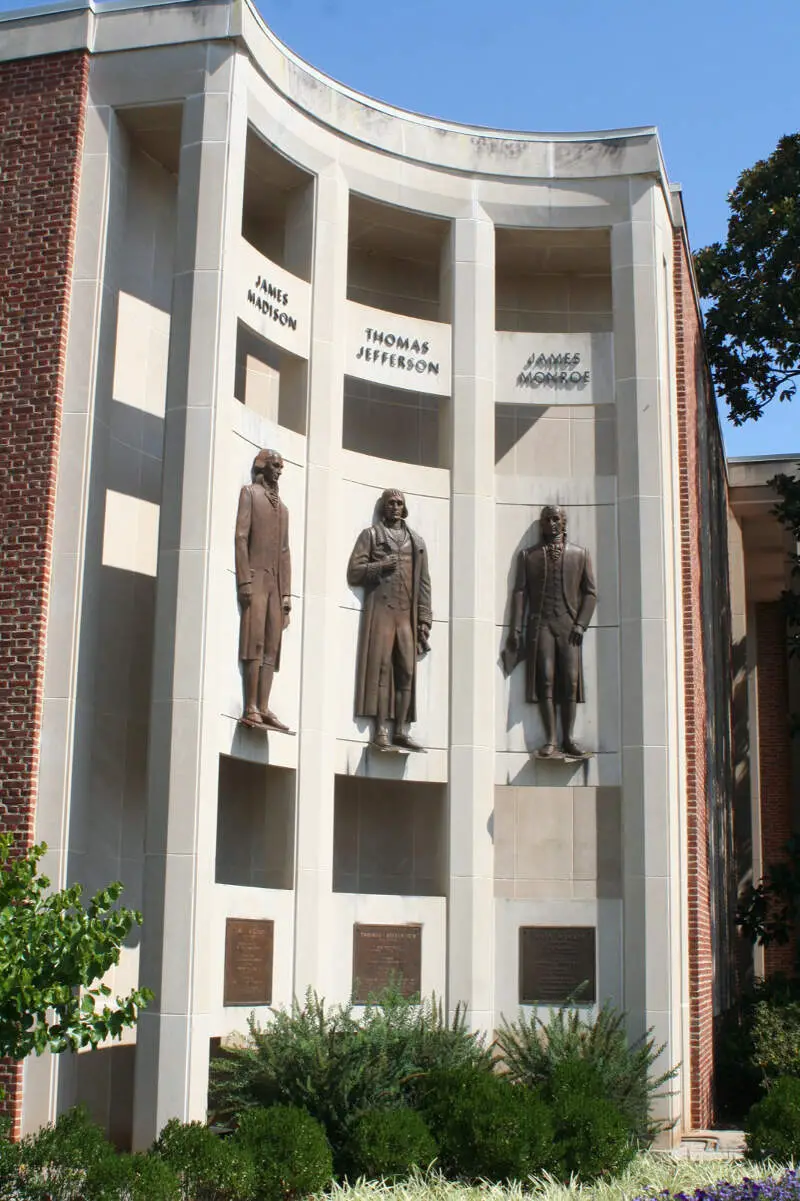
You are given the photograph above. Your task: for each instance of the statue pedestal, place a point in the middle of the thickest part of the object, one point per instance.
(562, 757)
(264, 727)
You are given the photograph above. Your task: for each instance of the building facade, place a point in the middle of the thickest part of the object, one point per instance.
(213, 249)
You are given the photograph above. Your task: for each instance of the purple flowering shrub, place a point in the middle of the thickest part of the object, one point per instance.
(771, 1188)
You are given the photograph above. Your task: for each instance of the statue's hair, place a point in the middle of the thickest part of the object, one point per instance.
(387, 494)
(554, 509)
(262, 458)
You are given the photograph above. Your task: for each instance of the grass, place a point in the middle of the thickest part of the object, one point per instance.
(647, 1173)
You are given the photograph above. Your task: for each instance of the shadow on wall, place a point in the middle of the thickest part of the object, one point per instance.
(742, 813)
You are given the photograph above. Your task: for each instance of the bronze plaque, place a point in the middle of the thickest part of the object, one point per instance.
(248, 961)
(554, 961)
(384, 954)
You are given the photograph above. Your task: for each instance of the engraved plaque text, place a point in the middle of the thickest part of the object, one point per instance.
(384, 954)
(248, 961)
(554, 961)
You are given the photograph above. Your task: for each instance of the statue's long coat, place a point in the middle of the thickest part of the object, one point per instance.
(261, 545)
(580, 597)
(363, 570)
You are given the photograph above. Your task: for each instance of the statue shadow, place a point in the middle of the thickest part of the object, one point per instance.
(254, 744)
(357, 590)
(382, 765)
(518, 711)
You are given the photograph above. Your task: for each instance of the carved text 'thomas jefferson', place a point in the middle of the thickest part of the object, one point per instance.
(386, 349)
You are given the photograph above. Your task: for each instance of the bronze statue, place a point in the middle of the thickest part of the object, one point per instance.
(555, 586)
(390, 562)
(264, 583)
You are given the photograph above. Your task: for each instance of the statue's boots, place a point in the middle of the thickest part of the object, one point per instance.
(574, 749)
(380, 738)
(403, 738)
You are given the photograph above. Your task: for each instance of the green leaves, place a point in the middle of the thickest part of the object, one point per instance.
(535, 1051)
(53, 952)
(753, 284)
(337, 1064)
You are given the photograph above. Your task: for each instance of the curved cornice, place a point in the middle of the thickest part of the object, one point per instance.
(120, 25)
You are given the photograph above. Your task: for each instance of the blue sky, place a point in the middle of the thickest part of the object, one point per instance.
(720, 79)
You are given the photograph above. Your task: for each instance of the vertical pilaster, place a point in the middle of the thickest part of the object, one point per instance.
(651, 791)
(472, 650)
(172, 1054)
(315, 942)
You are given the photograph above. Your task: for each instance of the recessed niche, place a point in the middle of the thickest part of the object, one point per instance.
(278, 207)
(553, 281)
(392, 423)
(555, 440)
(156, 130)
(270, 380)
(255, 824)
(389, 837)
(103, 1082)
(395, 259)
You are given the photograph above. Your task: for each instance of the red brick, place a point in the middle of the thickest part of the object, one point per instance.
(42, 112)
(688, 338)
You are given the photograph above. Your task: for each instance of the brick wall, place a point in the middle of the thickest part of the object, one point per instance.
(701, 1000)
(42, 109)
(774, 752)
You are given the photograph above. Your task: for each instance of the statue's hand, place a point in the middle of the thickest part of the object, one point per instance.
(245, 595)
(576, 635)
(423, 634)
(388, 564)
(286, 604)
(512, 640)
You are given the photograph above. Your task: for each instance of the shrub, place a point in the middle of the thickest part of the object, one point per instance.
(737, 1080)
(338, 1066)
(130, 1178)
(591, 1135)
(208, 1168)
(9, 1159)
(292, 1156)
(772, 1127)
(776, 1037)
(758, 1041)
(486, 1127)
(388, 1143)
(532, 1049)
(57, 1159)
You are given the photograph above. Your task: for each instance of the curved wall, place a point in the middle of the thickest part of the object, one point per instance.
(516, 248)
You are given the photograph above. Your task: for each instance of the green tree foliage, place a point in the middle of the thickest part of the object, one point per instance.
(53, 951)
(767, 911)
(752, 285)
(534, 1050)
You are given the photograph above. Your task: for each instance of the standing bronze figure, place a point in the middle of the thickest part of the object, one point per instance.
(264, 584)
(390, 562)
(555, 587)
